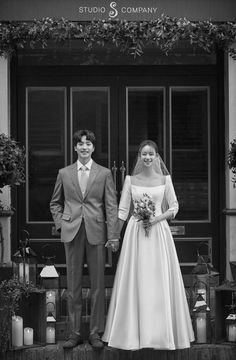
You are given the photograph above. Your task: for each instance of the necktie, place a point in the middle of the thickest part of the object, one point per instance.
(83, 179)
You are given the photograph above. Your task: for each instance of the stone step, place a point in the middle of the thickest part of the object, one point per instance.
(85, 352)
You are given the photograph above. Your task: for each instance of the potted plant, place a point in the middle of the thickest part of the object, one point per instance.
(232, 160)
(12, 159)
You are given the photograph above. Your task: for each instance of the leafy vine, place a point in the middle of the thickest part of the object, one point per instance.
(131, 37)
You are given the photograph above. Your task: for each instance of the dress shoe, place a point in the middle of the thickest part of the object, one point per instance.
(96, 342)
(72, 341)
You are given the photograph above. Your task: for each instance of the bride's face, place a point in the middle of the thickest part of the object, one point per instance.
(148, 155)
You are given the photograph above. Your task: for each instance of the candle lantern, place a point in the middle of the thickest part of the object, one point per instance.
(230, 321)
(201, 320)
(50, 280)
(51, 329)
(201, 286)
(24, 261)
(231, 327)
(205, 278)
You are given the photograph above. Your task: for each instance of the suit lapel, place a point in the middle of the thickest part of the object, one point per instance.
(92, 176)
(74, 177)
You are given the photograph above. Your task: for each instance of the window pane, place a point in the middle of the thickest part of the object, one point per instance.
(90, 110)
(145, 119)
(46, 148)
(190, 151)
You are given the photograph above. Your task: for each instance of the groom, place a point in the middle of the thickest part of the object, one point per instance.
(84, 209)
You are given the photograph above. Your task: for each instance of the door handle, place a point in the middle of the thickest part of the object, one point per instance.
(114, 172)
(177, 230)
(122, 170)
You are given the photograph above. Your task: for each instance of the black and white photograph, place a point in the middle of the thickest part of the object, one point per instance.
(118, 179)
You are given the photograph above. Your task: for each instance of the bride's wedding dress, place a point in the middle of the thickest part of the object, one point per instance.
(148, 308)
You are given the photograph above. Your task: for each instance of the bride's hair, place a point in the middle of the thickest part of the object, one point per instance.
(158, 165)
(149, 143)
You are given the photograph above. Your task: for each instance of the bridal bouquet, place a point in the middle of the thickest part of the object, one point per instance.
(144, 209)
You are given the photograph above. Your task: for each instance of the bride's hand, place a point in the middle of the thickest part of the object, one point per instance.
(155, 220)
(148, 223)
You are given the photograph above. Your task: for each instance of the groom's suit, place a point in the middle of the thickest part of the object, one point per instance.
(86, 223)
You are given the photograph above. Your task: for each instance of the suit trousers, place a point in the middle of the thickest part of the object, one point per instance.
(95, 255)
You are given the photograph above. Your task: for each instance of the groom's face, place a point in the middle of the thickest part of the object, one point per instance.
(84, 149)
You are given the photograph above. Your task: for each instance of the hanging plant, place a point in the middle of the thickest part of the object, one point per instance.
(131, 37)
(232, 160)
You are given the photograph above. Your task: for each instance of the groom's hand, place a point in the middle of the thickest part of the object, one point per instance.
(113, 244)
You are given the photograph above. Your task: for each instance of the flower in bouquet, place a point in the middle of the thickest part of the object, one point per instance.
(144, 209)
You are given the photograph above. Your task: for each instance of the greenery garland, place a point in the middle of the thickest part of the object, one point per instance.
(130, 37)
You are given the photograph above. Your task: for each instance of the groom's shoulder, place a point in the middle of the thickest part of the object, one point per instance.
(67, 168)
(102, 168)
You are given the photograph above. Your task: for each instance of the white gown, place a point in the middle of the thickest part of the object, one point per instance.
(148, 307)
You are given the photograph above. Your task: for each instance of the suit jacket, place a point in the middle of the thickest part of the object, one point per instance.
(98, 207)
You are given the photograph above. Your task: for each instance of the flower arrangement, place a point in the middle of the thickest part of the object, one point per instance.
(232, 160)
(11, 292)
(12, 158)
(144, 209)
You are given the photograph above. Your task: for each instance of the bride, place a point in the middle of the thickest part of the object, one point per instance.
(148, 307)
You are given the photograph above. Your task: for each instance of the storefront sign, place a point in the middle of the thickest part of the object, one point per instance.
(86, 10)
(115, 10)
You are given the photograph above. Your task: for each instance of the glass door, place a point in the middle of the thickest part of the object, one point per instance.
(122, 110)
(180, 119)
(52, 114)
(190, 164)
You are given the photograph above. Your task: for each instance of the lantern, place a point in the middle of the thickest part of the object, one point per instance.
(201, 320)
(24, 261)
(205, 278)
(49, 280)
(201, 286)
(230, 321)
(49, 275)
(50, 328)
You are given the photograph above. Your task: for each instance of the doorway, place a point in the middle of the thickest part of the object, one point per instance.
(174, 106)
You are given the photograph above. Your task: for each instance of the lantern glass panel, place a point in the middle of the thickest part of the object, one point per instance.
(50, 333)
(200, 324)
(231, 328)
(25, 271)
(52, 302)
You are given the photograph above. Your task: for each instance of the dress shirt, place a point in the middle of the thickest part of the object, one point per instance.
(80, 166)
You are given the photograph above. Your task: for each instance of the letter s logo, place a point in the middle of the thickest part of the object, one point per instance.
(113, 13)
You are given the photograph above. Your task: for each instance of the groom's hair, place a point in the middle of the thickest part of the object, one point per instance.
(84, 132)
